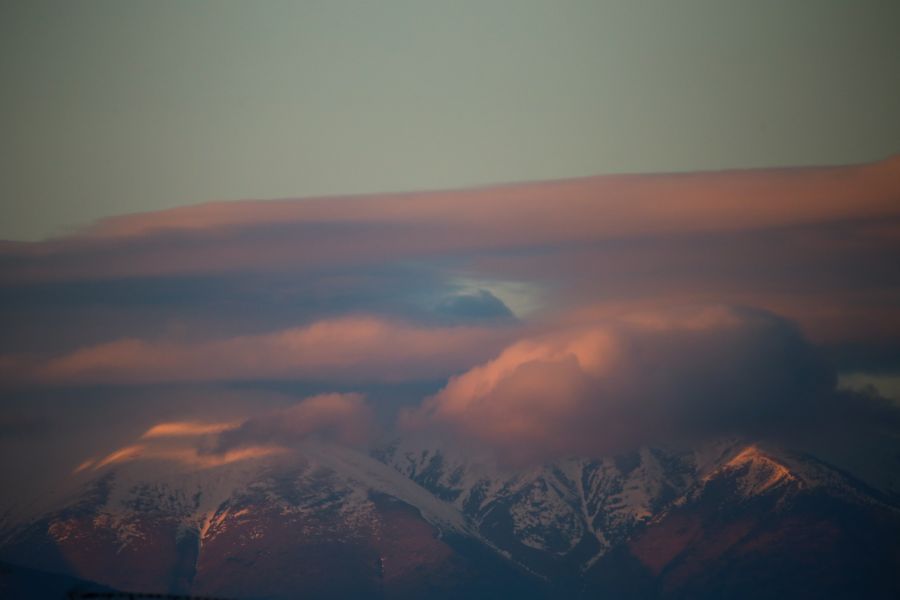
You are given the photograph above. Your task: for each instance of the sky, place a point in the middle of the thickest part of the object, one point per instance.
(251, 224)
(119, 107)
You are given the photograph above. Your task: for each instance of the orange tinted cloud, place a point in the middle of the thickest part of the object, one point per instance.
(315, 232)
(610, 385)
(184, 456)
(186, 428)
(351, 348)
(120, 455)
(587, 207)
(816, 245)
(341, 418)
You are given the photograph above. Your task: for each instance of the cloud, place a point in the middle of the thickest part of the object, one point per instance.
(349, 349)
(344, 418)
(478, 305)
(186, 429)
(816, 245)
(340, 418)
(394, 293)
(638, 378)
(314, 233)
(184, 455)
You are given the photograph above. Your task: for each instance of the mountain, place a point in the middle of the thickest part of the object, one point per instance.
(761, 525)
(329, 521)
(21, 583)
(705, 522)
(410, 520)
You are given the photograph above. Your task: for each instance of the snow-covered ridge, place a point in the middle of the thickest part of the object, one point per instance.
(199, 499)
(555, 506)
(575, 509)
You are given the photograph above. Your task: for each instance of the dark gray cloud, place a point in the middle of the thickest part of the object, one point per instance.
(637, 379)
(478, 305)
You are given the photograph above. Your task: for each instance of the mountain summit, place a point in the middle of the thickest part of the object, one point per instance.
(407, 521)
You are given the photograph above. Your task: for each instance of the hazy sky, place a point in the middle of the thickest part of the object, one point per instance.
(116, 107)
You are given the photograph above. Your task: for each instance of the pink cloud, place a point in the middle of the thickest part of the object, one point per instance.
(350, 349)
(186, 429)
(816, 245)
(314, 232)
(339, 418)
(344, 418)
(612, 384)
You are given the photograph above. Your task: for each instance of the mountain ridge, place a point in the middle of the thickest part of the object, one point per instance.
(407, 519)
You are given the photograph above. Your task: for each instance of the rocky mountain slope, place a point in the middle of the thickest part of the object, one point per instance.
(410, 520)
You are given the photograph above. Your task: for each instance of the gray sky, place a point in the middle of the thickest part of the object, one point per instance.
(116, 107)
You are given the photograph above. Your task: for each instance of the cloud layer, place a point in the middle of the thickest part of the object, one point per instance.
(316, 232)
(659, 307)
(338, 418)
(816, 245)
(344, 418)
(349, 349)
(639, 378)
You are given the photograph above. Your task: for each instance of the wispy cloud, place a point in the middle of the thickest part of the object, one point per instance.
(348, 349)
(339, 418)
(372, 229)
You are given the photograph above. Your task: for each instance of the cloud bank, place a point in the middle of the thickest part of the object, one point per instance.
(640, 378)
(659, 307)
(816, 245)
(347, 349)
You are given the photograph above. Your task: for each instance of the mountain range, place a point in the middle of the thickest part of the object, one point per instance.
(408, 519)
